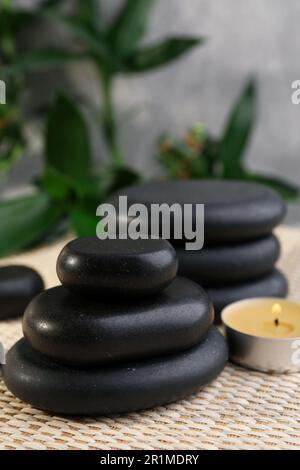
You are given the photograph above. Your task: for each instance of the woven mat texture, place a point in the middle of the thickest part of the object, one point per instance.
(240, 410)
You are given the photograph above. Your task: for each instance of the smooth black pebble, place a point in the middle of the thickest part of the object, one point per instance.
(117, 267)
(231, 263)
(80, 331)
(18, 286)
(271, 285)
(234, 210)
(44, 384)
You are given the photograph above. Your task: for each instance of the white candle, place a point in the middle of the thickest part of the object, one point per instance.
(264, 334)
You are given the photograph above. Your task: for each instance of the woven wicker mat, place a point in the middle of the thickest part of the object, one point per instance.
(240, 410)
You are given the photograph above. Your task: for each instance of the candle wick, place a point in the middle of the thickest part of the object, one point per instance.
(276, 322)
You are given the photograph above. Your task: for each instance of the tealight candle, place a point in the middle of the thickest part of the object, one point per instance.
(264, 334)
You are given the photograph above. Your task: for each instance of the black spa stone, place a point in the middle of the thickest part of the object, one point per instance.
(117, 267)
(58, 389)
(217, 265)
(18, 286)
(81, 331)
(271, 285)
(234, 211)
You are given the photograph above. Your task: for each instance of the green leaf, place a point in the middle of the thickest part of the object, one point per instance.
(108, 181)
(68, 148)
(286, 190)
(12, 142)
(89, 12)
(25, 221)
(13, 20)
(58, 185)
(94, 41)
(120, 178)
(83, 216)
(40, 60)
(84, 222)
(238, 131)
(8, 158)
(130, 26)
(156, 55)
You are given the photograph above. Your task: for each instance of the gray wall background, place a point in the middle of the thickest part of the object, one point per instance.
(257, 37)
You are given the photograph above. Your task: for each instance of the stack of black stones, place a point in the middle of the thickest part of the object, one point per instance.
(240, 251)
(122, 333)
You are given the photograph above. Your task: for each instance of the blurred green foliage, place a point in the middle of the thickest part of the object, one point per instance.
(12, 140)
(199, 155)
(70, 187)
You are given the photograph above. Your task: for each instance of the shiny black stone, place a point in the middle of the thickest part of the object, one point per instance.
(81, 331)
(234, 210)
(117, 267)
(18, 286)
(44, 384)
(222, 265)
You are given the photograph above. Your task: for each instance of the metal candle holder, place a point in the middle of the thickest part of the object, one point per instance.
(271, 355)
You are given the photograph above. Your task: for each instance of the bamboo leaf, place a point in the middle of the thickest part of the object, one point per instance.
(40, 60)
(287, 190)
(89, 12)
(93, 40)
(238, 131)
(25, 221)
(156, 55)
(130, 26)
(84, 222)
(68, 148)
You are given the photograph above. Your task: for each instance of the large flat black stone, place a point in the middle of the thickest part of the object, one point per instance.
(18, 286)
(271, 285)
(133, 386)
(81, 331)
(117, 267)
(234, 210)
(222, 265)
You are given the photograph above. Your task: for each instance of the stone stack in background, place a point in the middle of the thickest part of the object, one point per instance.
(240, 252)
